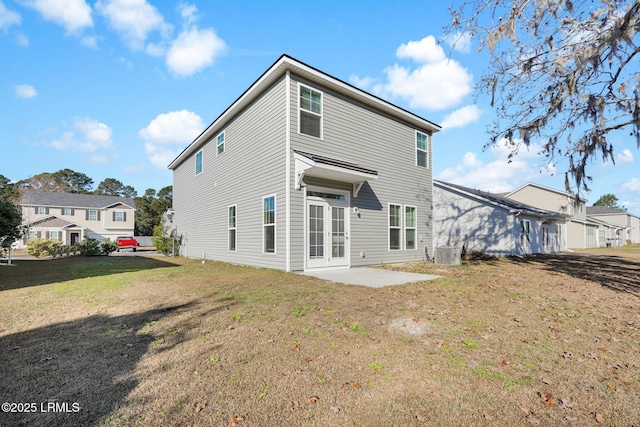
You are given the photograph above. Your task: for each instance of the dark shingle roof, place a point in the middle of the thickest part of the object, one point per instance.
(72, 200)
(500, 200)
(603, 210)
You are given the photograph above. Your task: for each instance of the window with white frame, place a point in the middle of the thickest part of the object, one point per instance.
(410, 222)
(119, 216)
(545, 237)
(559, 234)
(92, 215)
(53, 235)
(220, 143)
(395, 227)
(67, 212)
(40, 210)
(422, 146)
(525, 231)
(591, 236)
(232, 214)
(310, 112)
(199, 162)
(269, 224)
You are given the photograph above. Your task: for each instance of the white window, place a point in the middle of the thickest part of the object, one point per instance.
(67, 212)
(525, 231)
(559, 234)
(33, 234)
(53, 235)
(591, 236)
(269, 224)
(199, 162)
(220, 143)
(545, 237)
(395, 227)
(422, 146)
(92, 215)
(410, 227)
(42, 210)
(310, 112)
(233, 212)
(119, 216)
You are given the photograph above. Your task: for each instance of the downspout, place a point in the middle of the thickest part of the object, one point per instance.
(287, 245)
(515, 214)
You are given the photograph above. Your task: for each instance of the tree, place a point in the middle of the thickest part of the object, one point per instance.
(559, 70)
(149, 209)
(609, 200)
(113, 187)
(65, 181)
(10, 220)
(8, 191)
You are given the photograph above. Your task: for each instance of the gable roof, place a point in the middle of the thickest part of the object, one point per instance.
(54, 222)
(542, 187)
(498, 200)
(73, 200)
(284, 64)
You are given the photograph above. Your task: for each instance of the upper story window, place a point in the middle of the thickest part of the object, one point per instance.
(199, 162)
(67, 212)
(422, 144)
(40, 210)
(119, 216)
(310, 112)
(220, 143)
(93, 215)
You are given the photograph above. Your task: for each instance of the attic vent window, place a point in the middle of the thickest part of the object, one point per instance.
(310, 112)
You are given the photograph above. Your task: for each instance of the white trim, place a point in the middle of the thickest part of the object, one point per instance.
(426, 150)
(229, 228)
(414, 228)
(224, 140)
(321, 115)
(195, 161)
(287, 196)
(275, 220)
(395, 227)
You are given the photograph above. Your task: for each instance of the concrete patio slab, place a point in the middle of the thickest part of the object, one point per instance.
(372, 277)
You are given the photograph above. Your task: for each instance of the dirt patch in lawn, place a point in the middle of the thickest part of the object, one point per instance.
(536, 341)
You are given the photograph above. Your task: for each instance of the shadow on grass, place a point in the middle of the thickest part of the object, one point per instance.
(88, 362)
(25, 273)
(617, 273)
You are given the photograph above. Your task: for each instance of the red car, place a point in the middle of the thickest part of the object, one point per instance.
(126, 242)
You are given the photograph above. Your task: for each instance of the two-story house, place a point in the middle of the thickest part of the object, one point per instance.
(304, 171)
(626, 225)
(70, 217)
(580, 230)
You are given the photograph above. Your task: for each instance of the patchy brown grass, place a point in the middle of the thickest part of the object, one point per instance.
(549, 340)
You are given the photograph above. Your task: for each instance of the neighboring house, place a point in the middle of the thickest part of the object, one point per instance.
(609, 235)
(305, 171)
(581, 232)
(70, 217)
(492, 224)
(629, 224)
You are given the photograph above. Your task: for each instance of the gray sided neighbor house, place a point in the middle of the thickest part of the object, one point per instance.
(304, 171)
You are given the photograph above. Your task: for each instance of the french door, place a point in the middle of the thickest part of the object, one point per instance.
(327, 228)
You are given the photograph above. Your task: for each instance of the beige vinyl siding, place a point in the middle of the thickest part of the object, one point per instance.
(355, 133)
(252, 166)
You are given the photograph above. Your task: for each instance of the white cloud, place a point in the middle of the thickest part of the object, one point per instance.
(73, 15)
(461, 117)
(87, 136)
(26, 91)
(8, 17)
(134, 20)
(460, 42)
(90, 41)
(632, 185)
(193, 51)
(625, 156)
(498, 175)
(21, 39)
(434, 83)
(363, 83)
(188, 12)
(168, 134)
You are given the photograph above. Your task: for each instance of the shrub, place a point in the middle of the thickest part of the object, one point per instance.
(107, 246)
(89, 247)
(165, 242)
(43, 247)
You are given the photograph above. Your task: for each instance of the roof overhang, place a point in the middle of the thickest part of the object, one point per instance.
(335, 170)
(286, 64)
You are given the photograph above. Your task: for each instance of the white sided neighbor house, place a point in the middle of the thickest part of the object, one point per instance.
(304, 171)
(70, 218)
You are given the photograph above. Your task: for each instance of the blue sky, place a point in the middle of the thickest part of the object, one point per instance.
(116, 88)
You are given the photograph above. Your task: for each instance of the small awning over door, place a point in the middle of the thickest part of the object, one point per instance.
(335, 170)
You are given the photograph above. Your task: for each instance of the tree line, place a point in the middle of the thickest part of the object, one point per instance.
(149, 207)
